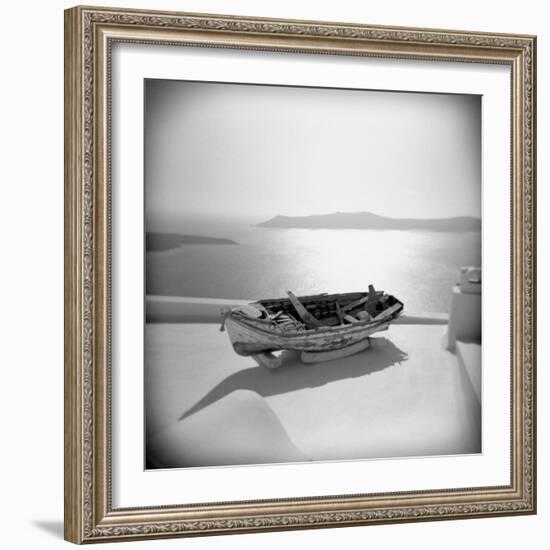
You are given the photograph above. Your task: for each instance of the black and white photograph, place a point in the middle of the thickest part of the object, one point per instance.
(300, 276)
(313, 274)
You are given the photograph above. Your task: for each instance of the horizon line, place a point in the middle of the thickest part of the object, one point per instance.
(225, 216)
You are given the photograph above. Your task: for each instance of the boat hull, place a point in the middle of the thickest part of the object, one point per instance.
(249, 339)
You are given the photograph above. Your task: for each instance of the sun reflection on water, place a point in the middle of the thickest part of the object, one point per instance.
(417, 267)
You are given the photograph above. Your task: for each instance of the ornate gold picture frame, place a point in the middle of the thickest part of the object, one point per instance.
(90, 34)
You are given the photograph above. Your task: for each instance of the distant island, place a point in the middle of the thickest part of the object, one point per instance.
(367, 220)
(158, 242)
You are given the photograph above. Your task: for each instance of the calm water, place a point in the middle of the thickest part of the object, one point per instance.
(417, 267)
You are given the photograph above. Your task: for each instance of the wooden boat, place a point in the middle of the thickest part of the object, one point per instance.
(321, 326)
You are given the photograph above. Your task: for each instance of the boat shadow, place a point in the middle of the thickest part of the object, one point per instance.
(294, 375)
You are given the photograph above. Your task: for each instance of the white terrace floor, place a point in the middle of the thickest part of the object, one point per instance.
(406, 396)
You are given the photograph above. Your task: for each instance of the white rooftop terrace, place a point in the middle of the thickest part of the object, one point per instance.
(207, 406)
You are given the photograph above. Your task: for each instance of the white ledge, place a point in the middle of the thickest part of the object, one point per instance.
(179, 309)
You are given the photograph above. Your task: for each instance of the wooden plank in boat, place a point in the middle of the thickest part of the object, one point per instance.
(304, 314)
(387, 312)
(350, 319)
(355, 304)
(366, 300)
(340, 314)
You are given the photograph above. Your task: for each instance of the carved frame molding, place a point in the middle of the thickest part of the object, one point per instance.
(89, 35)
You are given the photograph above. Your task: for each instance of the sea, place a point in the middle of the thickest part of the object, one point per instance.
(418, 267)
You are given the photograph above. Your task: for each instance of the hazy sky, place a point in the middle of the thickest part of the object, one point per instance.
(229, 149)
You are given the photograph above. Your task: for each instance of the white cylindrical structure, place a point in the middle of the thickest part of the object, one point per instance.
(465, 315)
